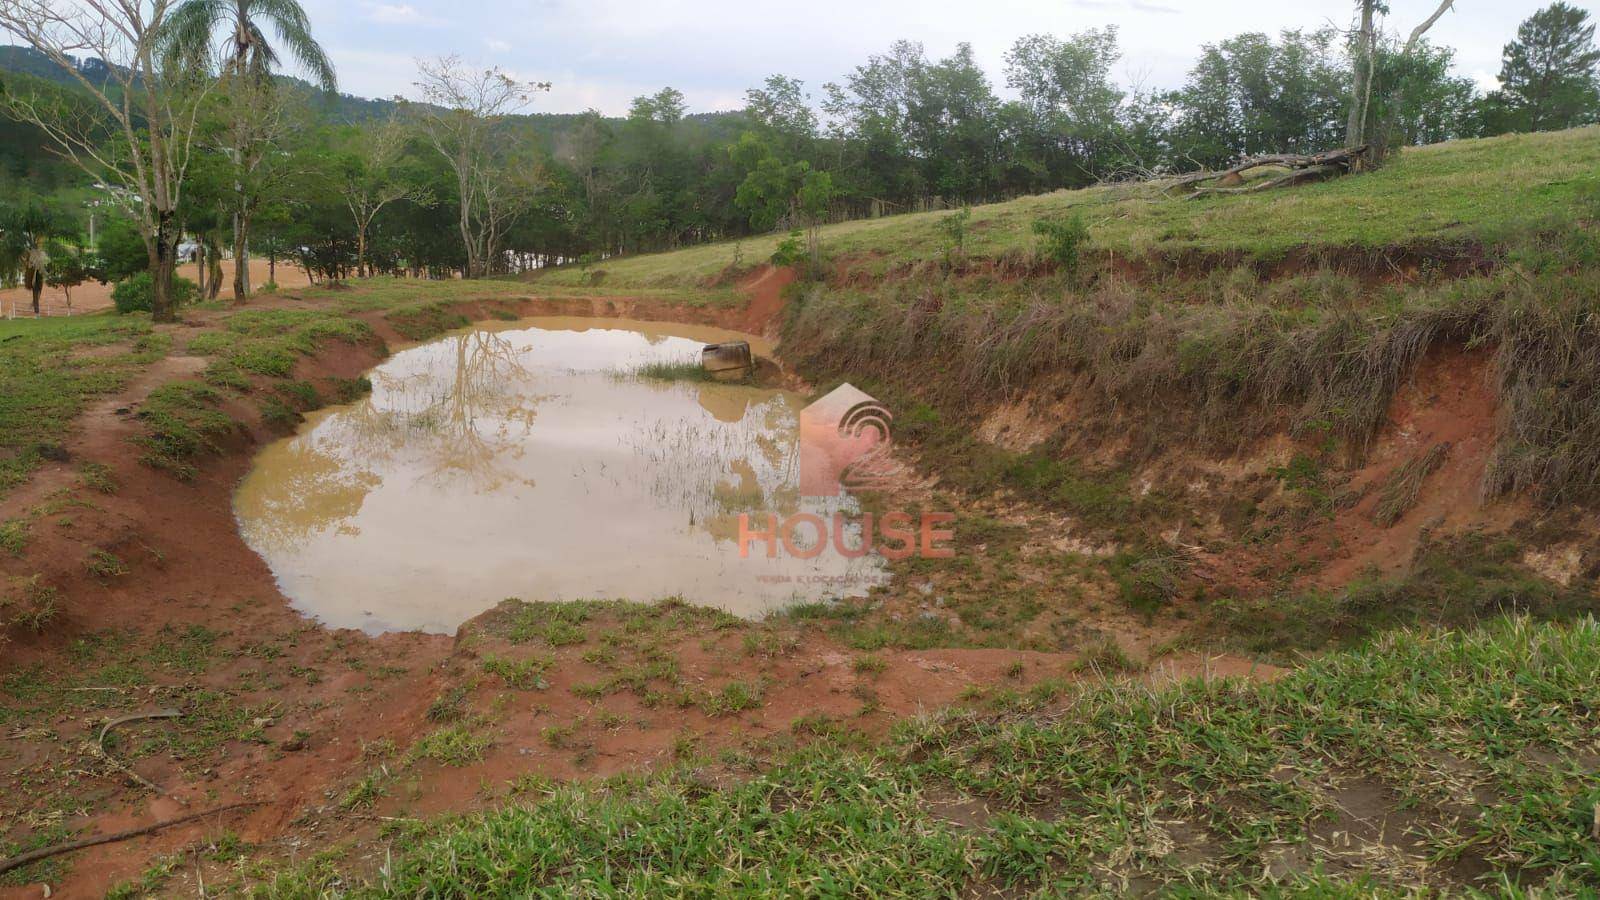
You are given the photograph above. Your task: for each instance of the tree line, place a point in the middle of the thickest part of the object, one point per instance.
(184, 117)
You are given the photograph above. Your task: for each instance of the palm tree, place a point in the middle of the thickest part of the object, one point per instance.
(248, 53)
(24, 232)
(248, 63)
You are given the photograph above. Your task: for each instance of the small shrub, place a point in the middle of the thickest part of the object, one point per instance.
(279, 415)
(348, 390)
(954, 228)
(302, 395)
(137, 293)
(1061, 241)
(103, 564)
(791, 250)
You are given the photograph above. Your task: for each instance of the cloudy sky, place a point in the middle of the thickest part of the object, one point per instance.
(602, 53)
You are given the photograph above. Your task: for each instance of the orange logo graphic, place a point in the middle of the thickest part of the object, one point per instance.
(844, 444)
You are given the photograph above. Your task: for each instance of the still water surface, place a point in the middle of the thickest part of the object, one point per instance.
(527, 460)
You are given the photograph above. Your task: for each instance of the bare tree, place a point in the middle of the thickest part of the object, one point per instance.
(1360, 130)
(136, 123)
(459, 115)
(370, 182)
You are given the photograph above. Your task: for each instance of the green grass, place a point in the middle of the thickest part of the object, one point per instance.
(269, 342)
(1200, 787)
(49, 368)
(1463, 191)
(1455, 583)
(181, 422)
(687, 370)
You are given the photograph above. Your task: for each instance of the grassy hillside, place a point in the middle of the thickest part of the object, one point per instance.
(1430, 759)
(1491, 190)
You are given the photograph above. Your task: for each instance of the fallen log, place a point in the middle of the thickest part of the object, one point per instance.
(1293, 176)
(1304, 167)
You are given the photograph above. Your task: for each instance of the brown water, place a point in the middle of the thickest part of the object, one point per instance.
(526, 460)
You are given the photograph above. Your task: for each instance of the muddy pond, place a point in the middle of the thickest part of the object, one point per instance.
(534, 459)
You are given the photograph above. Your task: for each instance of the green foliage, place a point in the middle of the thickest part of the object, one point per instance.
(1061, 241)
(954, 228)
(121, 250)
(524, 674)
(1549, 75)
(791, 251)
(137, 292)
(181, 422)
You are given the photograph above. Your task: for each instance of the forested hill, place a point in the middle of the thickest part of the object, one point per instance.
(24, 158)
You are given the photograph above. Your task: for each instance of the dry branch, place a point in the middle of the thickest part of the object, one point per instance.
(32, 856)
(100, 745)
(1303, 167)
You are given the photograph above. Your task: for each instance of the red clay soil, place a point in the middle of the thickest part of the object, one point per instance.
(187, 566)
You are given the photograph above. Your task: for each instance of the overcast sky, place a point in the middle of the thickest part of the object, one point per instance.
(602, 53)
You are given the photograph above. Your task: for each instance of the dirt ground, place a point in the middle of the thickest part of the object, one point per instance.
(332, 733)
(93, 297)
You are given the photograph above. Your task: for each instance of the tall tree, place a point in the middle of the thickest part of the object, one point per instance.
(248, 63)
(134, 121)
(1550, 75)
(371, 180)
(459, 115)
(1066, 87)
(1363, 125)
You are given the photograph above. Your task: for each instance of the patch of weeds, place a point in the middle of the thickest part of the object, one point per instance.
(302, 395)
(521, 674)
(560, 737)
(425, 320)
(97, 477)
(1400, 489)
(1454, 584)
(180, 422)
(684, 370)
(213, 343)
(733, 697)
(28, 603)
(770, 644)
(189, 650)
(278, 415)
(349, 390)
(366, 792)
(869, 665)
(556, 624)
(103, 564)
(1105, 656)
(455, 745)
(14, 536)
(449, 706)
(150, 881)
(1147, 580)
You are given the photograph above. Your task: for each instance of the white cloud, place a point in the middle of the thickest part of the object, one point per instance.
(396, 14)
(496, 45)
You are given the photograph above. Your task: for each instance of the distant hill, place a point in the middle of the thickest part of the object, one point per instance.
(334, 108)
